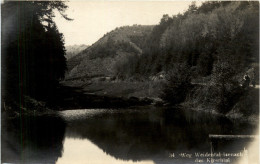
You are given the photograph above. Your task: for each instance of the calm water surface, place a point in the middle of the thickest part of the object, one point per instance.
(98, 136)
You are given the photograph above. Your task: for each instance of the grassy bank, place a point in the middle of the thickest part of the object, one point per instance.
(65, 97)
(245, 105)
(124, 89)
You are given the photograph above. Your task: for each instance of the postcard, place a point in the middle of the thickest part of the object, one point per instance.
(129, 82)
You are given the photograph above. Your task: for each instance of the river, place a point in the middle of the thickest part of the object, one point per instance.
(143, 135)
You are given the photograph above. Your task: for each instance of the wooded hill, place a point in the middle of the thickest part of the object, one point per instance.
(200, 37)
(112, 49)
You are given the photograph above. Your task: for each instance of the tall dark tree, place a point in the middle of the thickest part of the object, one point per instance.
(33, 49)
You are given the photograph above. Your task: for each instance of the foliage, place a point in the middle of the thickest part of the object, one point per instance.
(110, 48)
(198, 37)
(226, 86)
(205, 64)
(33, 51)
(248, 103)
(178, 84)
(110, 54)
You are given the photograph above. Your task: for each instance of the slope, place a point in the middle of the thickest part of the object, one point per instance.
(73, 50)
(115, 47)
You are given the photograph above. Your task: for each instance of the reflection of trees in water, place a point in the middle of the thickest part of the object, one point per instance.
(152, 135)
(32, 139)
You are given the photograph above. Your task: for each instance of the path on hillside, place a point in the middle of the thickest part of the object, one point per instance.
(251, 86)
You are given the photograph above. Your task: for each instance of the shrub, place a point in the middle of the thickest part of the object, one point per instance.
(226, 86)
(248, 103)
(178, 83)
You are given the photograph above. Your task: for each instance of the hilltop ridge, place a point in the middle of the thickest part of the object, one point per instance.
(101, 58)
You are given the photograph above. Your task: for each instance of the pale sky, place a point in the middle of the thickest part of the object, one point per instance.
(93, 19)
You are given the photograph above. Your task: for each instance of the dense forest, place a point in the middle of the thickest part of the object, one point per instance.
(215, 32)
(201, 37)
(32, 52)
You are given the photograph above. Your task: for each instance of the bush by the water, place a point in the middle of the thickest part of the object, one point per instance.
(208, 97)
(248, 103)
(226, 86)
(178, 83)
(221, 93)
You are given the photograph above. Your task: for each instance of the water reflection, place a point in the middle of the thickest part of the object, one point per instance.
(120, 136)
(32, 139)
(84, 151)
(151, 134)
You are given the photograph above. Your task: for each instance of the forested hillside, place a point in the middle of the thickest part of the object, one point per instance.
(201, 37)
(203, 55)
(111, 50)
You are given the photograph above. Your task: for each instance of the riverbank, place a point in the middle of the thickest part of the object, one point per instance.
(246, 105)
(120, 95)
(66, 97)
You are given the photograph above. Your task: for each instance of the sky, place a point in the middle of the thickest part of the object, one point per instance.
(93, 19)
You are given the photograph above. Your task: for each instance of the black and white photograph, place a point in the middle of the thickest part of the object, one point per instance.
(129, 82)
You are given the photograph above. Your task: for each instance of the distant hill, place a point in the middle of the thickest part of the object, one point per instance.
(114, 48)
(73, 50)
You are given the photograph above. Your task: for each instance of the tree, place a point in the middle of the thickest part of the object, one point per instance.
(205, 63)
(178, 84)
(226, 85)
(192, 8)
(33, 51)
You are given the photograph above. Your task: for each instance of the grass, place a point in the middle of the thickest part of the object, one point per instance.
(125, 89)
